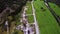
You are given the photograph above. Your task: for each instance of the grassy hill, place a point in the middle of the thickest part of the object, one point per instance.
(46, 21)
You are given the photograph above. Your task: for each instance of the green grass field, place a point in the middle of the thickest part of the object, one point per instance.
(29, 11)
(46, 21)
(55, 8)
(30, 18)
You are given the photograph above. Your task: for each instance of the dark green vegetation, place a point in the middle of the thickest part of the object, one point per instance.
(29, 11)
(46, 21)
(17, 18)
(9, 3)
(17, 32)
(16, 6)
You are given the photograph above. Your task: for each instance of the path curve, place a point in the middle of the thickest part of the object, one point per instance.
(35, 21)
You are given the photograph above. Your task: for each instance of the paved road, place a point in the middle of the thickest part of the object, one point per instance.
(35, 21)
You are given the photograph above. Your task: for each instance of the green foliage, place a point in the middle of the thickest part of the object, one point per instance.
(17, 18)
(15, 32)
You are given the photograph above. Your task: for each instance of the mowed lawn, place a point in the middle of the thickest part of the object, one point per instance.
(29, 11)
(30, 19)
(46, 21)
(55, 8)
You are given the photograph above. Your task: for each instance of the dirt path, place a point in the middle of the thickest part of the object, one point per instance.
(35, 21)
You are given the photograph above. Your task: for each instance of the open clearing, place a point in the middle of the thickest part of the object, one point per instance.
(46, 21)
